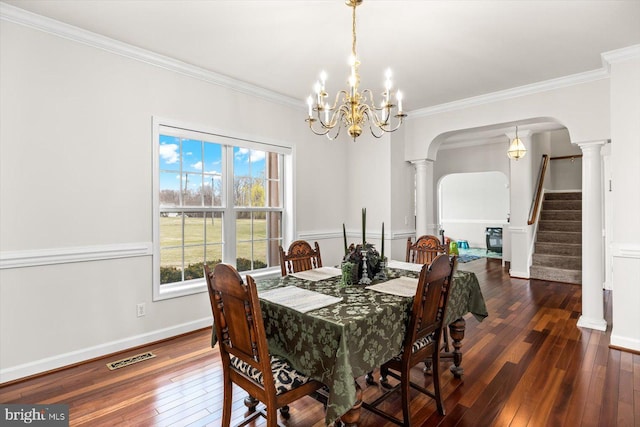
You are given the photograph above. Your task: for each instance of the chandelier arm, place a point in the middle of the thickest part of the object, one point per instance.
(328, 125)
(371, 123)
(318, 133)
(400, 119)
(335, 136)
(335, 101)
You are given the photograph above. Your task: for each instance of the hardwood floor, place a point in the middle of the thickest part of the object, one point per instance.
(527, 364)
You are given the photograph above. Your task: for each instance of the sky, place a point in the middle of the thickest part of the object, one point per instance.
(198, 157)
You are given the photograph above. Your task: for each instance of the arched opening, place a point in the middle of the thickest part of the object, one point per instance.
(469, 203)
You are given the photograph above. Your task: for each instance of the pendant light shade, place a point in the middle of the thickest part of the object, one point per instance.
(517, 149)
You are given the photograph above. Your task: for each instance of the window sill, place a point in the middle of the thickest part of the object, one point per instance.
(196, 286)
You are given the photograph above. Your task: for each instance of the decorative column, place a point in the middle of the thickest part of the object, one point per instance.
(424, 196)
(592, 251)
(521, 183)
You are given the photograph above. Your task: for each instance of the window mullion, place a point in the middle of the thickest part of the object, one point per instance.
(229, 220)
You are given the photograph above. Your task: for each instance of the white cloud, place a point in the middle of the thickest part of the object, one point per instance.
(241, 152)
(254, 155)
(169, 153)
(197, 165)
(257, 156)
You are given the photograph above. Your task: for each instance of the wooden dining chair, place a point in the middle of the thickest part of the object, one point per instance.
(300, 257)
(425, 249)
(421, 340)
(245, 357)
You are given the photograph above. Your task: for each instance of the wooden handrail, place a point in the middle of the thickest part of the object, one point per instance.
(575, 156)
(537, 200)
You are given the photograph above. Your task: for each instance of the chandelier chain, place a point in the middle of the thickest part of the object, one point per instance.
(353, 30)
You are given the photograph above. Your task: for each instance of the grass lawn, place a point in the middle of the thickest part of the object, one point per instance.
(205, 234)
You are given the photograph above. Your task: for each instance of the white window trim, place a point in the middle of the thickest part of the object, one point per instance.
(179, 289)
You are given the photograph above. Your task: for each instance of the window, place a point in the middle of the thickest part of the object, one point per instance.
(216, 199)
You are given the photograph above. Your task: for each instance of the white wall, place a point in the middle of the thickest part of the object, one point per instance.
(75, 176)
(471, 202)
(565, 174)
(625, 159)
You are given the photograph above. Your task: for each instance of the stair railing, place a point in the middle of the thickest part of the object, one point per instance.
(537, 200)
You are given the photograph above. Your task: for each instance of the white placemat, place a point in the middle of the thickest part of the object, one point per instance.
(405, 266)
(318, 274)
(298, 299)
(402, 286)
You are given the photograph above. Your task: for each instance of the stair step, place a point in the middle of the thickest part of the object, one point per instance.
(559, 237)
(558, 215)
(561, 205)
(558, 261)
(570, 195)
(546, 225)
(555, 274)
(555, 248)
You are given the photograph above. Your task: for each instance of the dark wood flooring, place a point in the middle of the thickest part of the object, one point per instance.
(527, 364)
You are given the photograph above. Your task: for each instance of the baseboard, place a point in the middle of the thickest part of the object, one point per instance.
(624, 343)
(59, 361)
(597, 324)
(519, 274)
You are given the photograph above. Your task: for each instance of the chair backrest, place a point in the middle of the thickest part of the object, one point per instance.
(238, 320)
(425, 249)
(430, 301)
(300, 257)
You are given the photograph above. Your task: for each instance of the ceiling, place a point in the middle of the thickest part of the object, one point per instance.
(439, 51)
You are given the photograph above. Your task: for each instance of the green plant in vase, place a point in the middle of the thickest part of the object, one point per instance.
(354, 256)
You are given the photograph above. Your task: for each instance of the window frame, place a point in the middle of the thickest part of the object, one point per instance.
(228, 140)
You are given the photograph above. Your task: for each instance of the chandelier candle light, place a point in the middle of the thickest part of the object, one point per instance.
(357, 108)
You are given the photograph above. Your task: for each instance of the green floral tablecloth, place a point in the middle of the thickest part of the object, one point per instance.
(343, 341)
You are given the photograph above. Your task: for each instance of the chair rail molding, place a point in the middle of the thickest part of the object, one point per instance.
(625, 250)
(37, 257)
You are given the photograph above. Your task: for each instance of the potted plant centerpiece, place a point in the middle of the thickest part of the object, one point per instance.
(361, 262)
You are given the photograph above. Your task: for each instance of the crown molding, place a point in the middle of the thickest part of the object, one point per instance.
(608, 58)
(530, 89)
(22, 17)
(620, 55)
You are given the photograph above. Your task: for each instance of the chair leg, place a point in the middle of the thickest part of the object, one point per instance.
(436, 381)
(405, 388)
(272, 418)
(227, 400)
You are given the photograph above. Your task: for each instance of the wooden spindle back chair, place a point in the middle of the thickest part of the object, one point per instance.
(425, 249)
(422, 339)
(300, 257)
(246, 361)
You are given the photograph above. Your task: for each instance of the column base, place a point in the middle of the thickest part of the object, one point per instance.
(597, 324)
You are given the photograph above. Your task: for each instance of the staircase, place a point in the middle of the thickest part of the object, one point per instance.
(558, 249)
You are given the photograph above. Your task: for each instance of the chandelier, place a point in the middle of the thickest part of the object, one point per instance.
(358, 109)
(517, 149)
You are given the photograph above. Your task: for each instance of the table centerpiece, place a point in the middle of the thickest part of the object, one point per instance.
(362, 262)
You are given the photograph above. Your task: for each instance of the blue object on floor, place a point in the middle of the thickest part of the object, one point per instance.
(463, 244)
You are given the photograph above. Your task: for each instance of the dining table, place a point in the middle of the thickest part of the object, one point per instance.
(336, 333)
